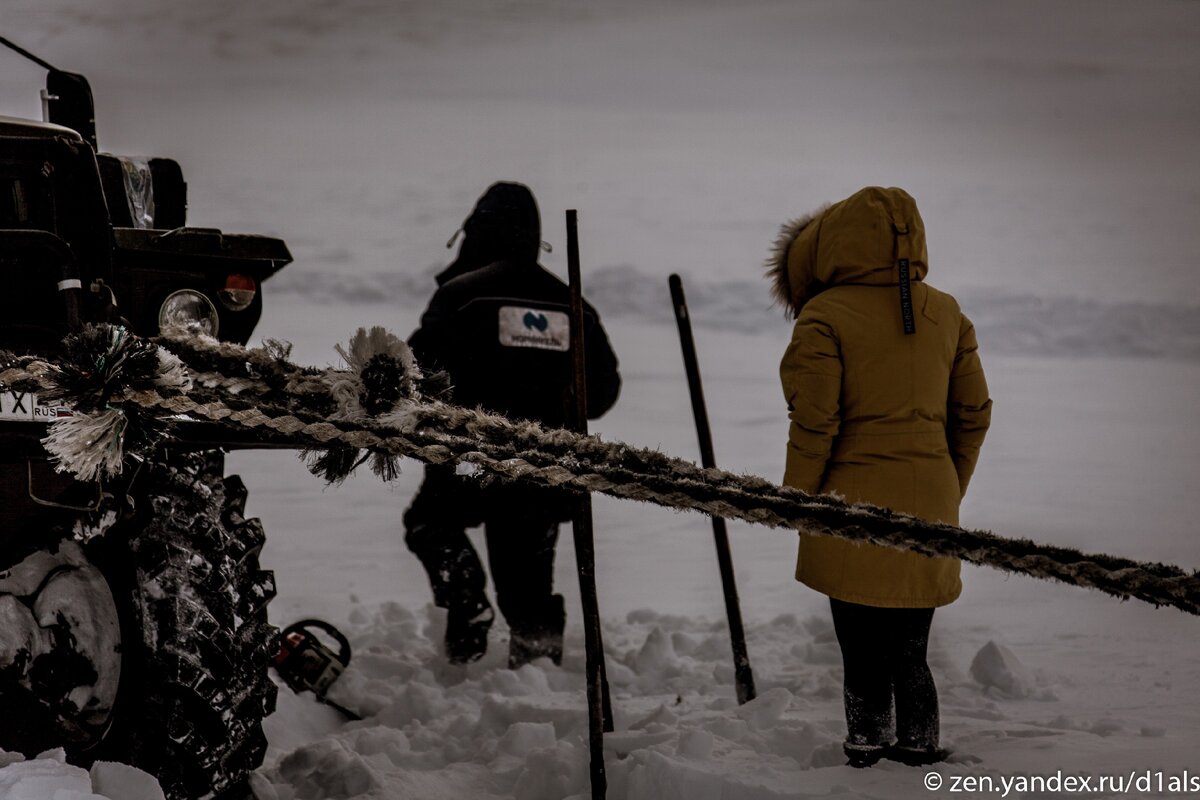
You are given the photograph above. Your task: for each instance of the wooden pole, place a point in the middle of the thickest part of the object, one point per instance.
(743, 675)
(599, 704)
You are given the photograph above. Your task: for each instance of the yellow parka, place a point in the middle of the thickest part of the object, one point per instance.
(879, 414)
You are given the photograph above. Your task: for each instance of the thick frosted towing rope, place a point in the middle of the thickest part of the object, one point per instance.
(290, 406)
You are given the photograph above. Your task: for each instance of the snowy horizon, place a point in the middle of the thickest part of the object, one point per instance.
(1050, 146)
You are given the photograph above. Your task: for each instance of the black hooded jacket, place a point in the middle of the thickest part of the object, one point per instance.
(498, 321)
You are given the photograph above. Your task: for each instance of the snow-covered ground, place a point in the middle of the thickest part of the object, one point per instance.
(1052, 148)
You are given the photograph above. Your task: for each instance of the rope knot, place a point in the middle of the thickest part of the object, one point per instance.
(103, 365)
(384, 380)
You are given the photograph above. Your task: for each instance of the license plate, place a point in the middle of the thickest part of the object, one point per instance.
(25, 407)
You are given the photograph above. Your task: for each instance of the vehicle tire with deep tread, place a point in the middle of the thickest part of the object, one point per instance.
(197, 644)
(181, 580)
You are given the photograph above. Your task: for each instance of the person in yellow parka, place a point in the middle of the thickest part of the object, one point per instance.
(888, 406)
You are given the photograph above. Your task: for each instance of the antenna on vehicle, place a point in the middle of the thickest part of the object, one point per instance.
(22, 51)
(67, 98)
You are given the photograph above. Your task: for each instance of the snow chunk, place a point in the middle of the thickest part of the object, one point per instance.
(388, 742)
(414, 702)
(528, 680)
(124, 782)
(553, 773)
(522, 738)
(625, 742)
(735, 730)
(696, 745)
(662, 717)
(997, 669)
(44, 778)
(619, 674)
(657, 654)
(765, 710)
(327, 769)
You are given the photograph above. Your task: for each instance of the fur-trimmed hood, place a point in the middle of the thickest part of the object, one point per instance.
(858, 240)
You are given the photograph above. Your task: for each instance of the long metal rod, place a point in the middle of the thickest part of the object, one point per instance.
(743, 675)
(599, 705)
(22, 51)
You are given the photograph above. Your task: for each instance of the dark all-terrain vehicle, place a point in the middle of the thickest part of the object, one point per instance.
(133, 620)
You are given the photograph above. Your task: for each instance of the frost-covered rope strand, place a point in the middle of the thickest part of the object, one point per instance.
(472, 422)
(729, 497)
(439, 433)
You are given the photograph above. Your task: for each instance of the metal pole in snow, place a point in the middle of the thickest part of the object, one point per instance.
(599, 704)
(743, 675)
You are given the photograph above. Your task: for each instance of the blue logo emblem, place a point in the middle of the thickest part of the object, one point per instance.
(536, 321)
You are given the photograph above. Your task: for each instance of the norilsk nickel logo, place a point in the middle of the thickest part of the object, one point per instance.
(534, 327)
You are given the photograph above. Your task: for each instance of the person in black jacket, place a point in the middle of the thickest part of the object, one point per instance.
(498, 326)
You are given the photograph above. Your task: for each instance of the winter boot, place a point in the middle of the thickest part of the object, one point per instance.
(467, 631)
(915, 756)
(860, 756)
(539, 635)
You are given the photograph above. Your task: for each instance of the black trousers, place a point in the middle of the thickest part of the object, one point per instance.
(521, 527)
(884, 656)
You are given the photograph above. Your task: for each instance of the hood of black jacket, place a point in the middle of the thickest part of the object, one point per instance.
(503, 225)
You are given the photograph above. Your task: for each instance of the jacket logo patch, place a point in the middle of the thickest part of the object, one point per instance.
(534, 327)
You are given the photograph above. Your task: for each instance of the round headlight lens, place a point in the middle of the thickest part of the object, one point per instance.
(190, 311)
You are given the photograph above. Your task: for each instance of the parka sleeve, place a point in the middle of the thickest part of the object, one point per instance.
(603, 374)
(431, 343)
(968, 407)
(811, 373)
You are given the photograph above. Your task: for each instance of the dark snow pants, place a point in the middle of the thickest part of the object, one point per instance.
(884, 656)
(521, 528)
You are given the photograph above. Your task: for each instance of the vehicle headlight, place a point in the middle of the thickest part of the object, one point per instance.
(190, 311)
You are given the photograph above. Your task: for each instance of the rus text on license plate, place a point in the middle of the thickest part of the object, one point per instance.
(25, 407)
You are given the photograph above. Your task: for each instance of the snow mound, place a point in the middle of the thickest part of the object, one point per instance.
(432, 730)
(997, 669)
